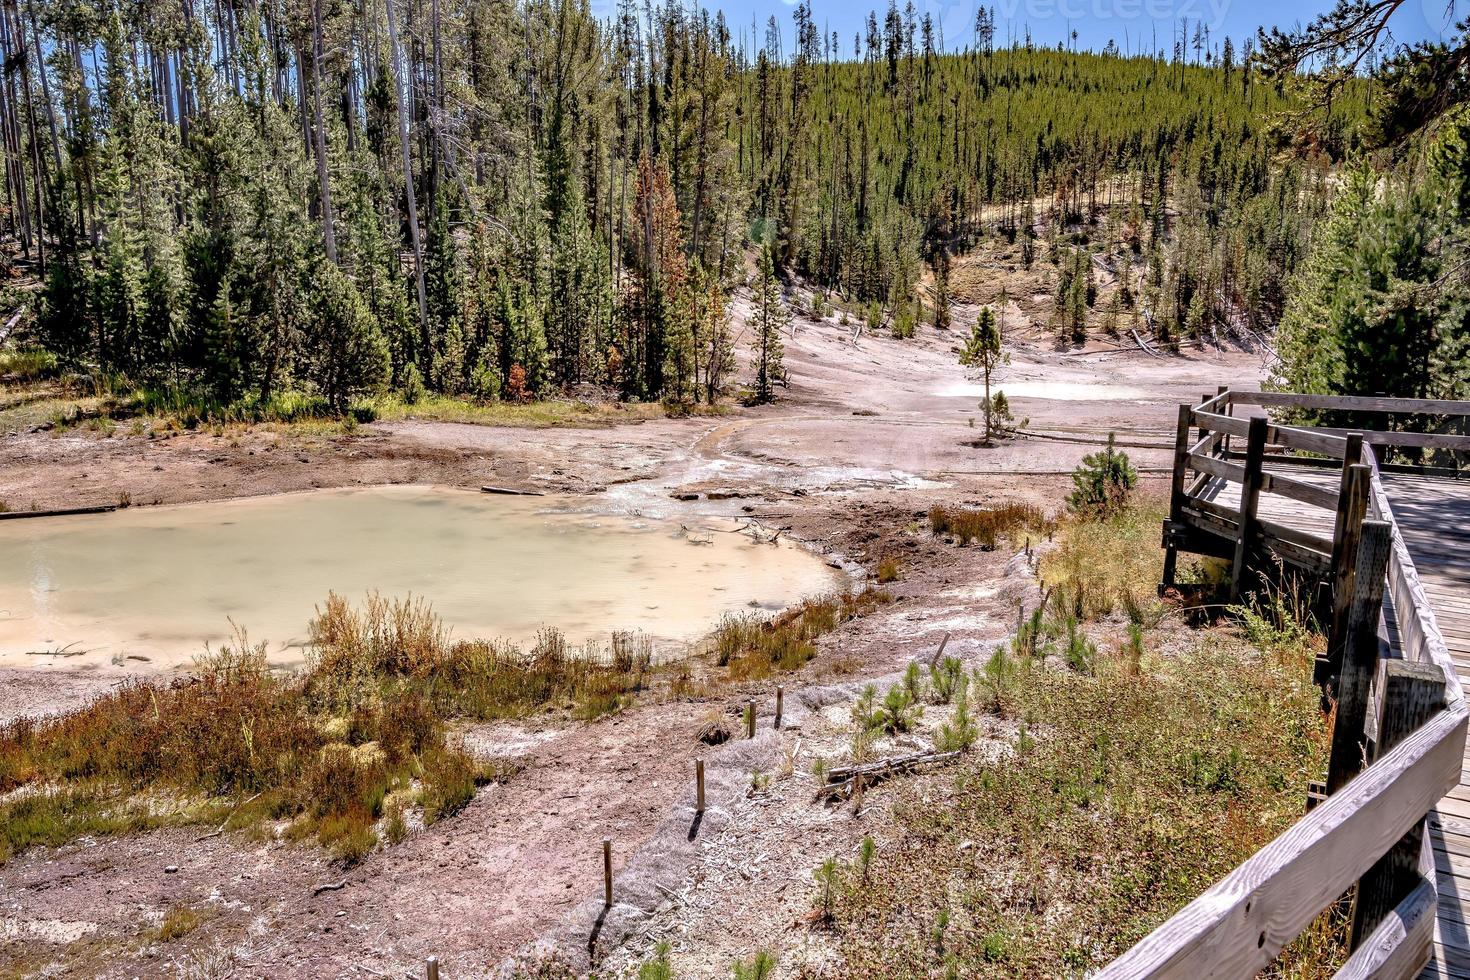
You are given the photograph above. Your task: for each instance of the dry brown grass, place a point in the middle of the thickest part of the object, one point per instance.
(323, 748)
(752, 646)
(987, 528)
(1100, 566)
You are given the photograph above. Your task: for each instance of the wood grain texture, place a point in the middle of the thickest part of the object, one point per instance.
(1303, 514)
(1351, 403)
(1400, 947)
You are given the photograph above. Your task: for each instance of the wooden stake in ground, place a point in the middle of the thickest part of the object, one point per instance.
(431, 968)
(698, 785)
(780, 694)
(750, 719)
(607, 873)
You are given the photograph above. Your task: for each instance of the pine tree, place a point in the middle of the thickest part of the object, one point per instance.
(770, 318)
(718, 354)
(444, 292)
(984, 350)
(347, 354)
(941, 290)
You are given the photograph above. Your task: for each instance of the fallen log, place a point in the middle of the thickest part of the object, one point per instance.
(845, 779)
(512, 492)
(1143, 346)
(15, 515)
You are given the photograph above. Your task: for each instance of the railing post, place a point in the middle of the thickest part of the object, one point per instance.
(1250, 499)
(1352, 507)
(1203, 426)
(1359, 657)
(1411, 693)
(1227, 409)
(1176, 493)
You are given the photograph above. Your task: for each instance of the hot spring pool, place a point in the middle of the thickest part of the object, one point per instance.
(150, 587)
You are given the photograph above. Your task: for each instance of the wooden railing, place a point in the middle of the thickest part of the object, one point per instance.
(1399, 706)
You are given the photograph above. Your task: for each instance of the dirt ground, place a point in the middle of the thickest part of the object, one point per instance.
(866, 438)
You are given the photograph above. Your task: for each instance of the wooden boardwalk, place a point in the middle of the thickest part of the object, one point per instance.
(1384, 554)
(1433, 516)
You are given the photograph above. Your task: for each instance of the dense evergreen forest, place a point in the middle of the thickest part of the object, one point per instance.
(503, 198)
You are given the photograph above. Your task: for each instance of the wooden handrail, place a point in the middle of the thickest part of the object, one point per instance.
(1418, 631)
(1290, 436)
(1350, 403)
(1407, 440)
(1239, 925)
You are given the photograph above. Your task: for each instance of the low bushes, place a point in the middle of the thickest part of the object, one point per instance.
(1124, 794)
(324, 747)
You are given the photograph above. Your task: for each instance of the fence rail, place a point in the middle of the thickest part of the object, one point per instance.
(1399, 704)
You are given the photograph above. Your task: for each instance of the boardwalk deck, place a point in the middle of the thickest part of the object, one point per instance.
(1434, 517)
(1433, 514)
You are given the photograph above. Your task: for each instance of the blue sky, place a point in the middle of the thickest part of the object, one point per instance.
(1133, 24)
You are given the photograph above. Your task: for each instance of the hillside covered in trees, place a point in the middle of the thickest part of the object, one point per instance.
(501, 198)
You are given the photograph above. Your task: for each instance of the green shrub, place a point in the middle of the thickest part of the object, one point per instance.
(27, 364)
(659, 967)
(1103, 482)
(412, 389)
(959, 733)
(898, 712)
(903, 324)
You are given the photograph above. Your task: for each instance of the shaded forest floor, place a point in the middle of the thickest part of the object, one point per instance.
(869, 435)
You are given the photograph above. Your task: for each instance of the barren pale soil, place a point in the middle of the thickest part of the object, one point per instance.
(867, 437)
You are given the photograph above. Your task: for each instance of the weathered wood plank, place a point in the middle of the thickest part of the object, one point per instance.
(1411, 693)
(1351, 403)
(1222, 423)
(1309, 440)
(1250, 499)
(1422, 639)
(1291, 535)
(1219, 468)
(1407, 440)
(1358, 656)
(1307, 493)
(1400, 946)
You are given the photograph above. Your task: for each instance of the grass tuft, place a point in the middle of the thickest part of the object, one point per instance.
(752, 646)
(987, 528)
(1102, 565)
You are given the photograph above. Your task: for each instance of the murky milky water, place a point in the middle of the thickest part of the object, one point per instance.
(161, 582)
